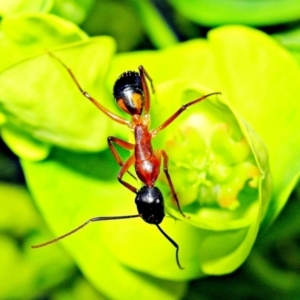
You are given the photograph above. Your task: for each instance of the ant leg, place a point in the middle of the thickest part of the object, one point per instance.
(96, 219)
(111, 140)
(127, 164)
(88, 96)
(166, 170)
(143, 76)
(154, 132)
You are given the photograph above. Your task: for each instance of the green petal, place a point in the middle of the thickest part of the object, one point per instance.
(128, 36)
(51, 109)
(72, 10)
(27, 34)
(157, 28)
(69, 199)
(194, 61)
(247, 67)
(23, 145)
(20, 225)
(232, 230)
(158, 257)
(20, 6)
(255, 13)
(261, 79)
(290, 40)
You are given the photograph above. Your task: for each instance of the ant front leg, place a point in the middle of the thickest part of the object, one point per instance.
(143, 76)
(88, 96)
(154, 132)
(166, 170)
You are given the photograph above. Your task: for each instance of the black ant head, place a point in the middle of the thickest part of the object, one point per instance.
(150, 204)
(128, 93)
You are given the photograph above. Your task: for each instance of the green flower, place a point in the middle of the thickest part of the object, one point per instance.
(218, 163)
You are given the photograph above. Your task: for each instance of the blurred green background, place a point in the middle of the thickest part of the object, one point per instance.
(272, 269)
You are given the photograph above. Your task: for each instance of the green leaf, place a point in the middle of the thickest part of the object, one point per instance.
(157, 28)
(194, 60)
(193, 156)
(51, 108)
(251, 67)
(31, 271)
(27, 34)
(73, 10)
(78, 198)
(17, 203)
(23, 145)
(8, 7)
(291, 40)
(247, 67)
(247, 12)
(239, 226)
(113, 13)
(248, 70)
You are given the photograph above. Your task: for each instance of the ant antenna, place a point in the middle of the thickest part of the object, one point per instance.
(174, 244)
(96, 219)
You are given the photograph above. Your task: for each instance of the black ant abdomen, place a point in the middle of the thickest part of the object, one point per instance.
(150, 204)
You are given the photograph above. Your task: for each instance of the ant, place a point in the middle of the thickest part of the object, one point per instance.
(131, 93)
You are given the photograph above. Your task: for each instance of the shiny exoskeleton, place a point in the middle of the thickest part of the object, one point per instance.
(131, 93)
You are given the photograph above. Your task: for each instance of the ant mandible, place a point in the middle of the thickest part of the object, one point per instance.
(131, 93)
